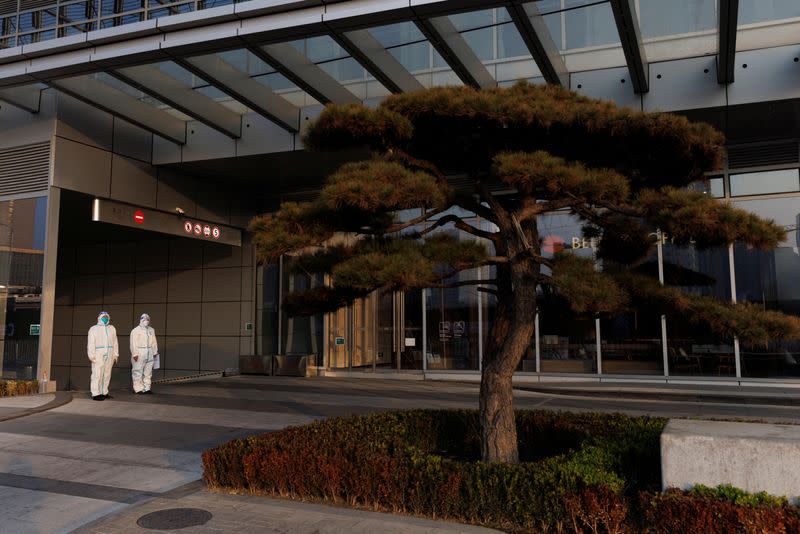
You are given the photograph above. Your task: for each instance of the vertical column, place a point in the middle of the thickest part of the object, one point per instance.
(731, 267)
(599, 350)
(664, 351)
(49, 291)
(280, 305)
(536, 343)
(480, 324)
(424, 331)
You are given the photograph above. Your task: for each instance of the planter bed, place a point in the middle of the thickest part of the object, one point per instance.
(578, 472)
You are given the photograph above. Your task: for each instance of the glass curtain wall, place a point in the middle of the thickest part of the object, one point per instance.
(446, 328)
(22, 232)
(278, 332)
(692, 350)
(568, 341)
(771, 280)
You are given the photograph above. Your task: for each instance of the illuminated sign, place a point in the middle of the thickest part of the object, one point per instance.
(111, 212)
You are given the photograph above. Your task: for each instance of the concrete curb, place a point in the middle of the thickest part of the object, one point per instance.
(739, 397)
(61, 398)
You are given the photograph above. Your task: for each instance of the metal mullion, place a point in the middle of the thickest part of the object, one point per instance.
(141, 10)
(631, 40)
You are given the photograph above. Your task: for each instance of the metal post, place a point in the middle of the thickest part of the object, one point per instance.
(736, 353)
(664, 350)
(480, 327)
(599, 351)
(280, 305)
(536, 343)
(424, 331)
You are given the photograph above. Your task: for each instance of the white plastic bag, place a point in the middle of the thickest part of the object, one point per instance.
(156, 362)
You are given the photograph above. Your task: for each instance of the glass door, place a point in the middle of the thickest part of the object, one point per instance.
(383, 330)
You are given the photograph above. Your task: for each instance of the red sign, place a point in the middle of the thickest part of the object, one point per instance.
(138, 217)
(202, 230)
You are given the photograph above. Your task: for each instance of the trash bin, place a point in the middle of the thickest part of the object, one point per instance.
(259, 364)
(291, 364)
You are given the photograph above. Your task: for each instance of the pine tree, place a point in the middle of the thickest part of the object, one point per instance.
(623, 173)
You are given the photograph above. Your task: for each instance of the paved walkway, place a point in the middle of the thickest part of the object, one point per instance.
(245, 514)
(84, 461)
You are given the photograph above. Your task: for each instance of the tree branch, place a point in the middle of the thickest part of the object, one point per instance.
(408, 224)
(502, 218)
(463, 283)
(477, 208)
(496, 260)
(461, 225)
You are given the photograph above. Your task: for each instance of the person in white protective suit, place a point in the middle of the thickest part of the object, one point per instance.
(144, 350)
(103, 351)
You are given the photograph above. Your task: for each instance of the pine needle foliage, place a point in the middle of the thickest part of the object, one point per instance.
(622, 173)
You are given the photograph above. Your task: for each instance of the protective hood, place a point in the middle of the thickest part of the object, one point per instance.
(103, 315)
(144, 320)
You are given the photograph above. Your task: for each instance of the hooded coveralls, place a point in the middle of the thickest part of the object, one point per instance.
(103, 350)
(143, 345)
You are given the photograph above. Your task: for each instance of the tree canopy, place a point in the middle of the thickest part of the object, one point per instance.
(622, 173)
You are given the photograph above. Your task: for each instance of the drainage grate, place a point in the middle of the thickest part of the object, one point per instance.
(174, 518)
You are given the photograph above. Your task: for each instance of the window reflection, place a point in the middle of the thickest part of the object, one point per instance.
(22, 234)
(658, 18)
(766, 182)
(751, 11)
(771, 279)
(592, 25)
(568, 342)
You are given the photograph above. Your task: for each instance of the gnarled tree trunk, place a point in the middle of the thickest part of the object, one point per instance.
(511, 335)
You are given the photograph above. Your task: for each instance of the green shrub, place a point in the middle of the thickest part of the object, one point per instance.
(728, 493)
(701, 513)
(579, 473)
(426, 462)
(10, 388)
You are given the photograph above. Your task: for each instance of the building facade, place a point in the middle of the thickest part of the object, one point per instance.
(137, 140)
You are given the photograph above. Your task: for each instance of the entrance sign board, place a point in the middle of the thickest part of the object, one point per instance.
(121, 214)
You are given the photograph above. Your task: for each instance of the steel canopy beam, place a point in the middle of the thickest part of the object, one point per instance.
(308, 76)
(537, 38)
(726, 55)
(118, 103)
(631, 39)
(369, 52)
(451, 45)
(27, 98)
(160, 85)
(239, 85)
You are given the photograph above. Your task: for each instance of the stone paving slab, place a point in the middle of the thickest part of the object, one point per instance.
(68, 465)
(245, 514)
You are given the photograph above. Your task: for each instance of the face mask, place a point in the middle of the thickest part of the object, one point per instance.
(104, 319)
(145, 322)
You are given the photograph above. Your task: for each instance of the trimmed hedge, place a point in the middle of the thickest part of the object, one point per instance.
(10, 388)
(702, 513)
(578, 472)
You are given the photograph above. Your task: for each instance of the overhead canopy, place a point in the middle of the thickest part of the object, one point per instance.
(159, 71)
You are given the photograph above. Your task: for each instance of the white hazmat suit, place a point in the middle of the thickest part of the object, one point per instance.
(103, 351)
(143, 350)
